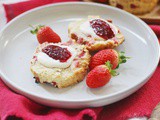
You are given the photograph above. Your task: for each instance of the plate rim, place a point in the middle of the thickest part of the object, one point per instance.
(16, 88)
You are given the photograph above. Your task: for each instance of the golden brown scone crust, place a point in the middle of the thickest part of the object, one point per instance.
(135, 6)
(62, 77)
(104, 45)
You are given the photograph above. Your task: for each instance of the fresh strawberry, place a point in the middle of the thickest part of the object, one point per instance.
(100, 75)
(111, 55)
(45, 34)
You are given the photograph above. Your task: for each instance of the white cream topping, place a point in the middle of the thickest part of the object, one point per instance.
(47, 61)
(86, 28)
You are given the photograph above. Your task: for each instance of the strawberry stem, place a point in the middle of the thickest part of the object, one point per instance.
(109, 65)
(36, 29)
(32, 26)
(122, 58)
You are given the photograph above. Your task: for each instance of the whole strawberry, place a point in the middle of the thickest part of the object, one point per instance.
(111, 55)
(45, 34)
(100, 75)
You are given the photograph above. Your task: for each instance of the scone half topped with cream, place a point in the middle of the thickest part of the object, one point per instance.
(96, 33)
(60, 64)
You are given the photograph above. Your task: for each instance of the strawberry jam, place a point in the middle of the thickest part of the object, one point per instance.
(57, 53)
(102, 29)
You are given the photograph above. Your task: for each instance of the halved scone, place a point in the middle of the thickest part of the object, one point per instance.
(60, 64)
(96, 33)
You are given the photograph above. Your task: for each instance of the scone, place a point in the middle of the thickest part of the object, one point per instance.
(60, 64)
(96, 33)
(135, 6)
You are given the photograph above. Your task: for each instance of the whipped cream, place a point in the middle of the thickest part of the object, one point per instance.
(47, 61)
(86, 28)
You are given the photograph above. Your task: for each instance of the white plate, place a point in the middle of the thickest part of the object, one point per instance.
(17, 46)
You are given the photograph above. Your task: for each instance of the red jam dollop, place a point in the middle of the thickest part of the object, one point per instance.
(57, 53)
(102, 29)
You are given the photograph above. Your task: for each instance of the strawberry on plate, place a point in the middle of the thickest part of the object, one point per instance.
(45, 34)
(111, 55)
(100, 75)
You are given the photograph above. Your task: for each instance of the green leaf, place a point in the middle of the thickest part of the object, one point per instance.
(109, 65)
(112, 72)
(122, 57)
(35, 29)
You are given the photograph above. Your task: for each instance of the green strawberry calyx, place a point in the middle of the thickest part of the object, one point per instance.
(35, 29)
(112, 72)
(122, 58)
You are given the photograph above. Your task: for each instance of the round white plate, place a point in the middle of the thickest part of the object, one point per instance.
(17, 45)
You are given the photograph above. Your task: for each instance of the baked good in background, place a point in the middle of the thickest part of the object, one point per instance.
(135, 6)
